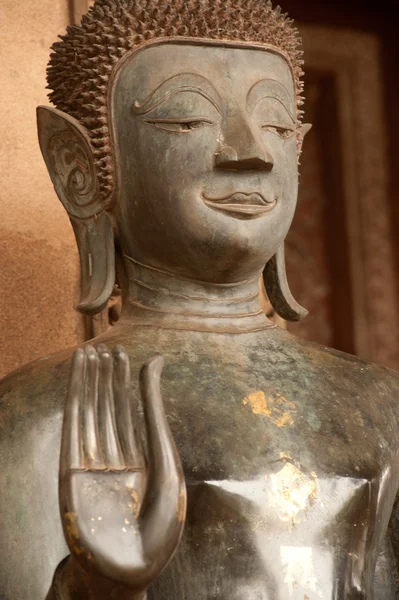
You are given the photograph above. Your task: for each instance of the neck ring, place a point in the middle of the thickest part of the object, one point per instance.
(166, 300)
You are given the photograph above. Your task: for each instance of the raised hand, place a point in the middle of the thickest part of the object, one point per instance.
(122, 512)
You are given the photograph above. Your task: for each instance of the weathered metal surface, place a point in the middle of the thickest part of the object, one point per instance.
(286, 449)
(188, 158)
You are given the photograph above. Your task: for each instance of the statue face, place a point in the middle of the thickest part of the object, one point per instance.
(206, 147)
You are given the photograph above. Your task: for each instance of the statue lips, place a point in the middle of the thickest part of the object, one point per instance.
(242, 205)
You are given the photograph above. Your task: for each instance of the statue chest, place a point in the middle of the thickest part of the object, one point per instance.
(287, 493)
(289, 458)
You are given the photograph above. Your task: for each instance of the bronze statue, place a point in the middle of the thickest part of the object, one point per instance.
(174, 148)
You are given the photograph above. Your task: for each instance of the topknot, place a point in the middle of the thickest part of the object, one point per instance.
(81, 63)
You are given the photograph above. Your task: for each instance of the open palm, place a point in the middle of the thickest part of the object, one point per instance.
(122, 511)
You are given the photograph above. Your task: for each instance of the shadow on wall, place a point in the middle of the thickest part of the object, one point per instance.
(35, 277)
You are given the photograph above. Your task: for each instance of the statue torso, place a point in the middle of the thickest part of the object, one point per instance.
(289, 452)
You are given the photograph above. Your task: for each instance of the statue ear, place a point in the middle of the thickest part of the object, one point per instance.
(67, 151)
(278, 291)
(303, 130)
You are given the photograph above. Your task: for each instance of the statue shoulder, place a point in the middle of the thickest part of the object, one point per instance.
(34, 391)
(361, 373)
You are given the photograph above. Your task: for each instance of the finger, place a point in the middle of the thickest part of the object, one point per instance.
(163, 521)
(71, 456)
(91, 443)
(110, 445)
(125, 412)
(158, 432)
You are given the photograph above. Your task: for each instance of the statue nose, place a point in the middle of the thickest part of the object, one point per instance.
(243, 149)
(227, 158)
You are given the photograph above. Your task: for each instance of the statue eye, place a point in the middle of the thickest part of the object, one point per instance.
(180, 125)
(283, 132)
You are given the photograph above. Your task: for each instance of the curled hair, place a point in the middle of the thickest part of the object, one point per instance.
(82, 62)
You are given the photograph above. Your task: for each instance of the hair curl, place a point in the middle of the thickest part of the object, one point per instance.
(82, 62)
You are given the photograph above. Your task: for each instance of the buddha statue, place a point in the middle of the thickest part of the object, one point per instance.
(257, 466)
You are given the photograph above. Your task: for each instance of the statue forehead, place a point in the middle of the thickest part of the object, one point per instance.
(229, 68)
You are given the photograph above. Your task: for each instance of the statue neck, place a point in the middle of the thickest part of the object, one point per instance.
(164, 300)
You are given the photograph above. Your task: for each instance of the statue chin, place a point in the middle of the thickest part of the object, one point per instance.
(195, 450)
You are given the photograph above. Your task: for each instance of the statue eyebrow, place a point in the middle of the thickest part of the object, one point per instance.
(271, 89)
(183, 82)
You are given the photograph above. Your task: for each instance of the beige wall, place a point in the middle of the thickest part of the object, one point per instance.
(38, 258)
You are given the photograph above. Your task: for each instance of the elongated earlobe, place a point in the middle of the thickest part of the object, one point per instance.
(278, 291)
(95, 241)
(67, 151)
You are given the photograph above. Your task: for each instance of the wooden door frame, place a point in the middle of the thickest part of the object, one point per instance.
(77, 8)
(353, 59)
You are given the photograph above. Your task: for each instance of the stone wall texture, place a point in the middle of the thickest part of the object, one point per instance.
(39, 273)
